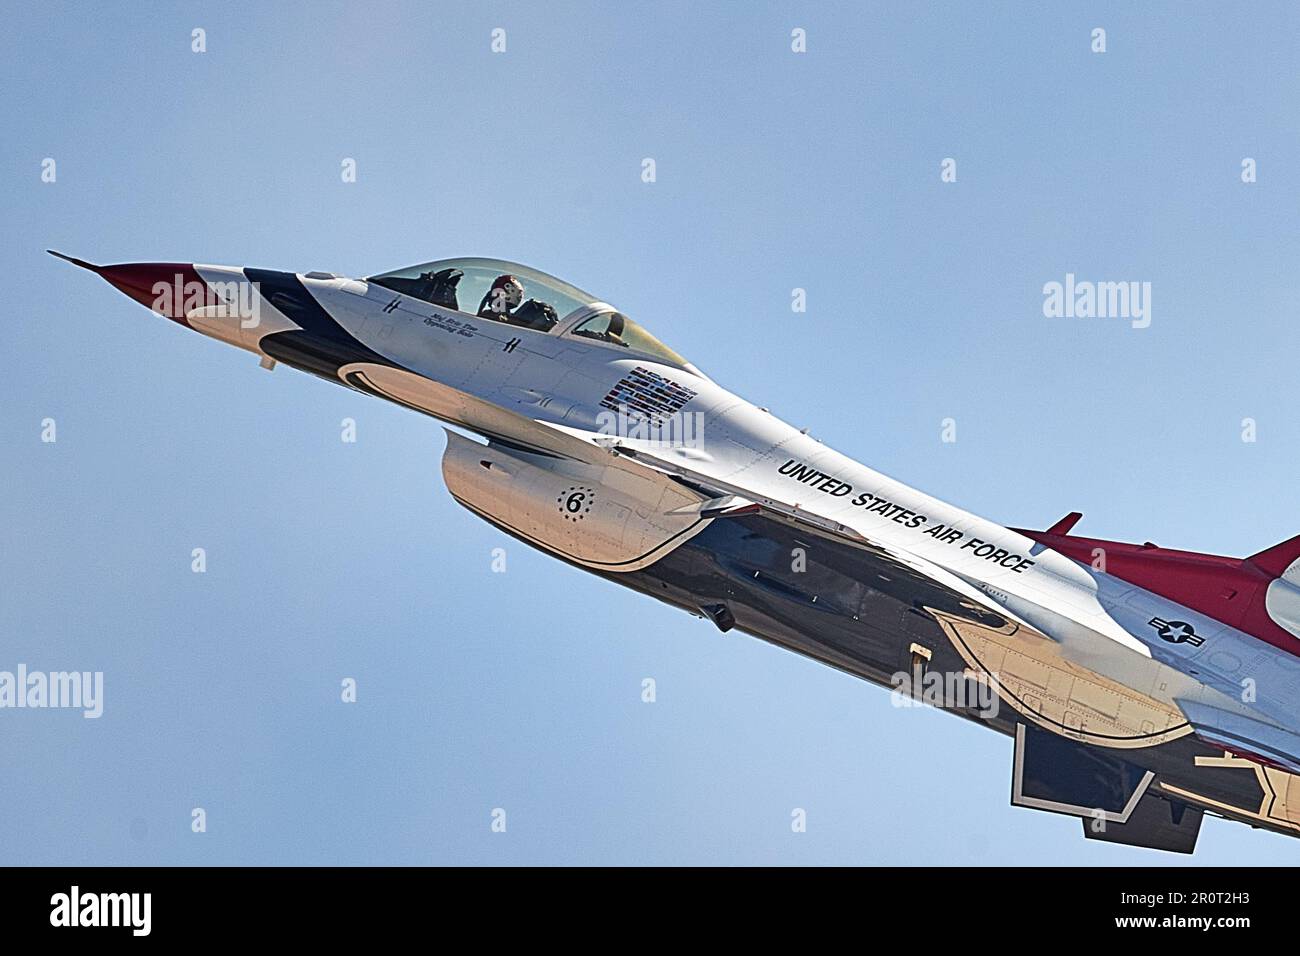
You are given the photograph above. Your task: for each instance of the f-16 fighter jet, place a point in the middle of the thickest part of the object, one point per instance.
(1142, 687)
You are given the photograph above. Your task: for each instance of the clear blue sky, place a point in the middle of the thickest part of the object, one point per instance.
(775, 170)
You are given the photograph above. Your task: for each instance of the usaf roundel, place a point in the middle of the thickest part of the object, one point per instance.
(1176, 632)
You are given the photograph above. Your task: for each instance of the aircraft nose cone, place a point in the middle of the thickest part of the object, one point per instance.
(164, 287)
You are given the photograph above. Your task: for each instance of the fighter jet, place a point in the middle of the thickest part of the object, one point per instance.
(1142, 687)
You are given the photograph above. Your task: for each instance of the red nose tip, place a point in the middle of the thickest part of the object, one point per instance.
(164, 287)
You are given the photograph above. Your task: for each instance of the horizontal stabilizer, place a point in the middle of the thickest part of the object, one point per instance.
(1281, 560)
(1113, 797)
(1155, 823)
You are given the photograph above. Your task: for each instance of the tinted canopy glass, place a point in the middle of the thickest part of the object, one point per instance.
(480, 287)
(615, 328)
(517, 295)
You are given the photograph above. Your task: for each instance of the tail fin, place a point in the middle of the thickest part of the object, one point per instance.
(1281, 560)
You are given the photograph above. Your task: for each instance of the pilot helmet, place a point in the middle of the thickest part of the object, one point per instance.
(506, 293)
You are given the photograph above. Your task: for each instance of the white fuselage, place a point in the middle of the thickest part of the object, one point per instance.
(463, 368)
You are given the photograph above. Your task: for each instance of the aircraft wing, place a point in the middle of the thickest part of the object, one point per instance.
(731, 498)
(1051, 771)
(500, 423)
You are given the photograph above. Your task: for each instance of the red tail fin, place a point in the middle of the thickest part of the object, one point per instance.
(1275, 560)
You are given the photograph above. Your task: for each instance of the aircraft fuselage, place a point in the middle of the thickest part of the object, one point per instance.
(610, 452)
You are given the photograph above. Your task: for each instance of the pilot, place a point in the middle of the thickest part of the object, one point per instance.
(506, 293)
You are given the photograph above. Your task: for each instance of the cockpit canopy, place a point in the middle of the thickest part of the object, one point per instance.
(482, 288)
